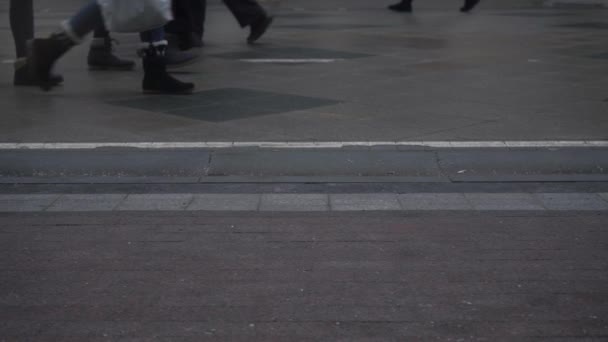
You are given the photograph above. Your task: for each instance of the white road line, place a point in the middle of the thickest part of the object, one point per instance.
(304, 144)
(289, 60)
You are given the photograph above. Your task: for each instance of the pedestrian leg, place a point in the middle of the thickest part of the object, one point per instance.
(403, 6)
(250, 13)
(101, 53)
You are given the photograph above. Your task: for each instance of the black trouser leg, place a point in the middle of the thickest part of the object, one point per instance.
(101, 32)
(245, 11)
(22, 24)
(181, 23)
(199, 14)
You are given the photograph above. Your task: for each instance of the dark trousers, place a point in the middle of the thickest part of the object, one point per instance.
(190, 15)
(22, 25)
(245, 11)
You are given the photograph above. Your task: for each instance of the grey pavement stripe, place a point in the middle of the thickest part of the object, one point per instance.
(26, 203)
(294, 202)
(156, 202)
(227, 202)
(305, 144)
(87, 202)
(305, 202)
(436, 201)
(573, 201)
(517, 201)
(364, 202)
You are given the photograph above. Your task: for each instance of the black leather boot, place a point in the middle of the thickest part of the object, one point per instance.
(101, 56)
(156, 79)
(469, 5)
(42, 55)
(258, 28)
(403, 6)
(23, 78)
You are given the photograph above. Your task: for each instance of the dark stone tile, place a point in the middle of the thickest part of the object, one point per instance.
(603, 55)
(245, 104)
(588, 26)
(537, 14)
(203, 98)
(286, 103)
(290, 52)
(223, 112)
(307, 163)
(154, 103)
(470, 165)
(333, 26)
(102, 163)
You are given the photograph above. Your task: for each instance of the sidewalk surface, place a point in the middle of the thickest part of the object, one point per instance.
(512, 70)
(358, 175)
(193, 277)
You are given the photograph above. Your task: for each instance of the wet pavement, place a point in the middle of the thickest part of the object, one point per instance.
(504, 72)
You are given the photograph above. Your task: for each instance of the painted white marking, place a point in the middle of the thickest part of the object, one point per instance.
(289, 60)
(303, 144)
(8, 61)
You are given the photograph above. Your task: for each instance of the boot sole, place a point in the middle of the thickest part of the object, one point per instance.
(160, 92)
(108, 68)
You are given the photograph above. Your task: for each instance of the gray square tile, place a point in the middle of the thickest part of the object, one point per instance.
(225, 202)
(603, 55)
(26, 203)
(516, 201)
(573, 201)
(198, 99)
(290, 52)
(294, 202)
(81, 202)
(434, 202)
(364, 202)
(588, 25)
(226, 104)
(329, 26)
(156, 202)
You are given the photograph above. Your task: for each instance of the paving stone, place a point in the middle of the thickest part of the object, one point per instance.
(294, 202)
(573, 201)
(604, 196)
(25, 203)
(152, 202)
(85, 202)
(364, 202)
(291, 52)
(225, 202)
(417, 164)
(516, 201)
(437, 201)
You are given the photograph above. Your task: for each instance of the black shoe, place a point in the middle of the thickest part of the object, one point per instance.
(156, 79)
(258, 28)
(403, 6)
(469, 5)
(42, 55)
(23, 78)
(101, 56)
